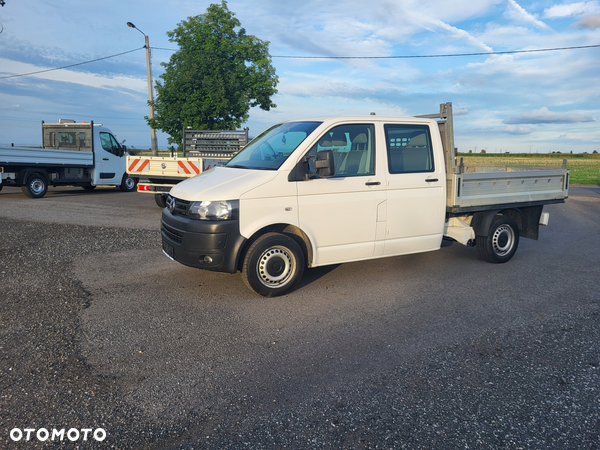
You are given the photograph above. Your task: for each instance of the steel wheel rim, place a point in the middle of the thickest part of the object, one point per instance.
(129, 183)
(276, 266)
(36, 186)
(503, 240)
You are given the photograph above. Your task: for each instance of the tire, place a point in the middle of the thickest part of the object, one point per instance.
(128, 184)
(273, 265)
(36, 186)
(161, 200)
(88, 187)
(502, 240)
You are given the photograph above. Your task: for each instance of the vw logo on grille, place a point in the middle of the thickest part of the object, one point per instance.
(170, 204)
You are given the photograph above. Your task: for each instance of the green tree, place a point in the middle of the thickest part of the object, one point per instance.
(217, 74)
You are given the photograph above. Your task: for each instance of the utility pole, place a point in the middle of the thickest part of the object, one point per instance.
(150, 91)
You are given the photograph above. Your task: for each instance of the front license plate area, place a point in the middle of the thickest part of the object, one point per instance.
(168, 250)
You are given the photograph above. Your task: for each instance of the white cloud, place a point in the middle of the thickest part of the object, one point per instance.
(584, 137)
(591, 22)
(518, 129)
(544, 115)
(518, 13)
(463, 35)
(572, 10)
(70, 76)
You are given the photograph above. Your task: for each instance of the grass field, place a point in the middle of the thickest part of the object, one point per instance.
(584, 169)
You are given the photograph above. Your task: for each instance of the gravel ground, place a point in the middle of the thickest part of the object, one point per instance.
(536, 386)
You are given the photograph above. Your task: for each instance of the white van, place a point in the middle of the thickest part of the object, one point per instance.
(314, 192)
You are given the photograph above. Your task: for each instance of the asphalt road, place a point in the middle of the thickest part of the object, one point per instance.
(438, 350)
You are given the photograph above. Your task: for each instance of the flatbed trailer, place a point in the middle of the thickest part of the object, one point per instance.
(202, 150)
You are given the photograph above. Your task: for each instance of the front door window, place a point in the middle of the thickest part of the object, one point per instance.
(353, 148)
(109, 143)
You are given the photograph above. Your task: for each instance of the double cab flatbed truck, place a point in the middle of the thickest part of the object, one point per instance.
(202, 149)
(310, 193)
(75, 154)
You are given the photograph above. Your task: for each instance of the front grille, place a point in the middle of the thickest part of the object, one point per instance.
(172, 233)
(179, 207)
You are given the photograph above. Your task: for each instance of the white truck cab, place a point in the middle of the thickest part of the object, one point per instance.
(110, 162)
(325, 191)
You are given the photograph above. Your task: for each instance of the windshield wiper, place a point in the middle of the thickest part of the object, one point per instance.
(237, 166)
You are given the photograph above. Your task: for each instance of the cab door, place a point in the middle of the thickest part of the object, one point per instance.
(416, 190)
(340, 213)
(110, 160)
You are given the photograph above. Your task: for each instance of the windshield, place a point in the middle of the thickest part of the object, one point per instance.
(270, 149)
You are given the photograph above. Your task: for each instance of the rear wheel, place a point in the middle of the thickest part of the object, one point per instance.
(273, 265)
(36, 186)
(502, 240)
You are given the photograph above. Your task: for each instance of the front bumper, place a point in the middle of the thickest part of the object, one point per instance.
(210, 245)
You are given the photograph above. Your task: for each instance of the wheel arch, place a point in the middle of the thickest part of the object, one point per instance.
(285, 228)
(23, 175)
(527, 220)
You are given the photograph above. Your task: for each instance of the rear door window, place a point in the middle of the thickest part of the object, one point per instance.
(408, 148)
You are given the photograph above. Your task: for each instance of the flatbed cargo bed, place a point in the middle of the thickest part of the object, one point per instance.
(18, 156)
(476, 188)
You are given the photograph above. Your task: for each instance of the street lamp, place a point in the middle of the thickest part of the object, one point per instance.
(150, 94)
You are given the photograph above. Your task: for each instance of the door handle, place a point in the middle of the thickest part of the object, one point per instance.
(373, 183)
(104, 159)
(431, 180)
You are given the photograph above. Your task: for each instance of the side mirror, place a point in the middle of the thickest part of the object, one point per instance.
(122, 150)
(325, 164)
(309, 166)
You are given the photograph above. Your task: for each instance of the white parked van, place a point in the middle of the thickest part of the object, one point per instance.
(314, 192)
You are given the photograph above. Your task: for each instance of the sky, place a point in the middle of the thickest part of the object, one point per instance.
(529, 102)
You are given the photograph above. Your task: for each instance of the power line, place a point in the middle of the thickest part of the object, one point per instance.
(438, 56)
(71, 65)
(510, 52)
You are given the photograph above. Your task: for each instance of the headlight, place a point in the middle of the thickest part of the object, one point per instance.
(219, 210)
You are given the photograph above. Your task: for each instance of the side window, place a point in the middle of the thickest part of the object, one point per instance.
(408, 148)
(82, 140)
(353, 149)
(66, 139)
(109, 143)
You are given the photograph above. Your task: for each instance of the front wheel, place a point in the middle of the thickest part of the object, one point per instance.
(502, 240)
(128, 184)
(36, 186)
(273, 265)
